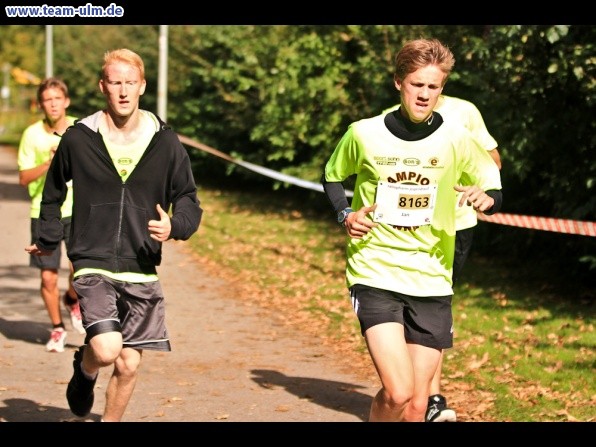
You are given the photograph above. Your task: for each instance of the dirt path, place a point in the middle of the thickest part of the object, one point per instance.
(230, 361)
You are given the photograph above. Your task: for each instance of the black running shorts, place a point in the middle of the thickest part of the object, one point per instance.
(427, 321)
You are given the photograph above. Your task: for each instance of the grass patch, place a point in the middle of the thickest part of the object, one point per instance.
(525, 350)
(524, 337)
(534, 350)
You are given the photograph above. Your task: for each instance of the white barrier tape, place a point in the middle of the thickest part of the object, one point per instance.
(259, 169)
(532, 222)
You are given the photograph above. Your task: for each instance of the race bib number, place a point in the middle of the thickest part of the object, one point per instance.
(405, 205)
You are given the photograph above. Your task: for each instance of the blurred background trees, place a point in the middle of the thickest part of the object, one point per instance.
(281, 96)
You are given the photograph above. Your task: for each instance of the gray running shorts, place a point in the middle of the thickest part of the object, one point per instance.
(137, 310)
(427, 321)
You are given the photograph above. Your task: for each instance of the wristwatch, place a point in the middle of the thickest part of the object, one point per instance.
(343, 214)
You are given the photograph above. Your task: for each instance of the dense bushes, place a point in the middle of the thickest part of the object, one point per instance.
(281, 96)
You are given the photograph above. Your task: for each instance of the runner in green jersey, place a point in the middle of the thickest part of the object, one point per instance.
(410, 165)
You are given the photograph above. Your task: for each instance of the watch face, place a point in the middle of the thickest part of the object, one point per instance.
(343, 214)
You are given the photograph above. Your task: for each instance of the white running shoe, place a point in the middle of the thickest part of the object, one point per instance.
(56, 342)
(75, 315)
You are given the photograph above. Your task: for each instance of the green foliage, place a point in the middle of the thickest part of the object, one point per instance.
(545, 76)
(544, 92)
(21, 48)
(281, 96)
(24, 47)
(78, 58)
(218, 69)
(299, 94)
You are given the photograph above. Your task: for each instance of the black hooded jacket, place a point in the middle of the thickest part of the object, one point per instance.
(110, 217)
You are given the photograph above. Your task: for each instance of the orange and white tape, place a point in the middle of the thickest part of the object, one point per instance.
(532, 222)
(583, 228)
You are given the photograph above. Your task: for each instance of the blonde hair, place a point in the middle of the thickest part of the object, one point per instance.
(420, 53)
(123, 55)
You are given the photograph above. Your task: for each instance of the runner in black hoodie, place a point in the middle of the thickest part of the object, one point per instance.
(130, 171)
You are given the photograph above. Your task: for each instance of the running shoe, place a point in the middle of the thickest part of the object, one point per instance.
(75, 314)
(437, 410)
(79, 392)
(56, 341)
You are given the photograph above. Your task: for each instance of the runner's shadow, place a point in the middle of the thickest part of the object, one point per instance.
(27, 331)
(19, 272)
(25, 410)
(338, 396)
(22, 313)
(13, 192)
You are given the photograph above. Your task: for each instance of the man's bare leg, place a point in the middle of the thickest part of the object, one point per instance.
(121, 384)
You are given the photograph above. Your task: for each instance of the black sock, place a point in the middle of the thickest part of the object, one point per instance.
(56, 326)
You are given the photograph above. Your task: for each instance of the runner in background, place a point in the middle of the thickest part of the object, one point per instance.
(466, 219)
(36, 150)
